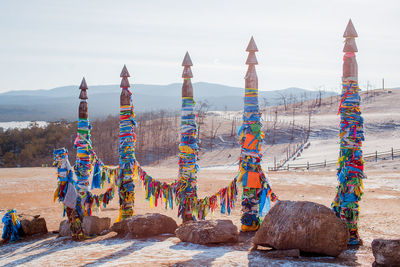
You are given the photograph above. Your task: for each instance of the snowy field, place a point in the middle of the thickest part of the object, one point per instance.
(21, 124)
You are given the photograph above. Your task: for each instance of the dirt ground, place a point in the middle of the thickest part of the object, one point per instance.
(30, 191)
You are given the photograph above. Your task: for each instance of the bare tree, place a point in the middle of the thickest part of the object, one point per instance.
(283, 99)
(310, 110)
(274, 125)
(213, 132)
(201, 109)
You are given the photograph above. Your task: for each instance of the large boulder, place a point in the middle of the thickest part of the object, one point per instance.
(64, 229)
(303, 225)
(93, 225)
(151, 224)
(121, 227)
(33, 226)
(386, 252)
(146, 225)
(208, 232)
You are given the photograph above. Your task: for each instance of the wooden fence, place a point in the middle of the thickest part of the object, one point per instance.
(375, 156)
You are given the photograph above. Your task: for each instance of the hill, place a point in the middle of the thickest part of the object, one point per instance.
(62, 102)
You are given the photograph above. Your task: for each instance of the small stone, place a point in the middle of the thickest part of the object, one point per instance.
(35, 226)
(386, 252)
(64, 229)
(93, 225)
(208, 232)
(303, 225)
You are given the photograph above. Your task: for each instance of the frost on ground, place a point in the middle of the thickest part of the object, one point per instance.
(30, 191)
(165, 250)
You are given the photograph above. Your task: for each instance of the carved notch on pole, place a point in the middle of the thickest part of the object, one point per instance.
(83, 106)
(350, 66)
(125, 99)
(251, 75)
(187, 88)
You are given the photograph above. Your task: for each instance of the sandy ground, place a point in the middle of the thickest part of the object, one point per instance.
(30, 191)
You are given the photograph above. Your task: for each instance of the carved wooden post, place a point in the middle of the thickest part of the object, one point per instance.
(83, 143)
(83, 163)
(127, 138)
(351, 164)
(187, 183)
(256, 190)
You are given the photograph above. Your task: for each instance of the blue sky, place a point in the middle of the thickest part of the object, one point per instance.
(47, 43)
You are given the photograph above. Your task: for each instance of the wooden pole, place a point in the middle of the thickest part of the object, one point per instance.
(187, 183)
(351, 135)
(82, 144)
(127, 159)
(250, 137)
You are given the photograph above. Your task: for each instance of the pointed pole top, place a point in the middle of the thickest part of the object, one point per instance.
(350, 31)
(350, 45)
(187, 62)
(125, 83)
(124, 72)
(252, 47)
(251, 59)
(83, 85)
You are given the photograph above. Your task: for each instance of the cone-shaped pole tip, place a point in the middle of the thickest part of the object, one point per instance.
(252, 47)
(124, 72)
(350, 45)
(83, 85)
(350, 30)
(125, 83)
(251, 59)
(187, 61)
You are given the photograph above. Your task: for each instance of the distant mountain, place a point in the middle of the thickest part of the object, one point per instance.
(62, 102)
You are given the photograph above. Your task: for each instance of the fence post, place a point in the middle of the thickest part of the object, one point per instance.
(325, 164)
(376, 156)
(308, 165)
(275, 163)
(392, 154)
(288, 167)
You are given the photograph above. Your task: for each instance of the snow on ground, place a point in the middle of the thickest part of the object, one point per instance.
(21, 124)
(378, 219)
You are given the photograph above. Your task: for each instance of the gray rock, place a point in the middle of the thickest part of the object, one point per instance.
(146, 225)
(208, 232)
(386, 252)
(121, 227)
(64, 229)
(303, 225)
(93, 225)
(34, 226)
(151, 224)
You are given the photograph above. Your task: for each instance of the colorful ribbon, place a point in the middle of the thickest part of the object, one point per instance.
(351, 163)
(12, 226)
(257, 192)
(127, 140)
